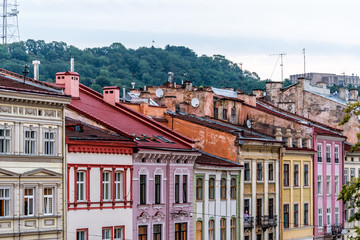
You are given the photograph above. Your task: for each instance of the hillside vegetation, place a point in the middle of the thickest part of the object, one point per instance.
(118, 65)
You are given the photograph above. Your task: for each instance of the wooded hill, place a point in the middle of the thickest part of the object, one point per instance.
(118, 65)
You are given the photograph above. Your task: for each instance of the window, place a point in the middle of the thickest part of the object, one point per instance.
(81, 234)
(80, 186)
(118, 194)
(346, 176)
(296, 215)
(296, 175)
(225, 114)
(211, 230)
(198, 230)
(4, 202)
(118, 233)
(48, 201)
(247, 171)
(180, 231)
(233, 229)
(319, 155)
(5, 136)
(306, 175)
(336, 215)
(271, 236)
(211, 188)
(346, 212)
(319, 185)
(258, 236)
(184, 188)
(246, 237)
(157, 231)
(216, 113)
(328, 185)
(223, 188)
(29, 201)
(286, 175)
(306, 214)
(320, 218)
(328, 156)
(157, 189)
(336, 184)
(142, 234)
(247, 205)
(106, 185)
(271, 207)
(259, 172)
(223, 229)
(336, 154)
(49, 146)
(106, 233)
(233, 188)
(142, 189)
(328, 217)
(30, 142)
(233, 115)
(199, 188)
(352, 174)
(177, 188)
(271, 172)
(286, 215)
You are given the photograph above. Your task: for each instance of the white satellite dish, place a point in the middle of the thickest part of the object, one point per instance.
(195, 102)
(159, 92)
(248, 123)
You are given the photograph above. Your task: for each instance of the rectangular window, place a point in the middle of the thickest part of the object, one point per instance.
(157, 231)
(157, 189)
(177, 188)
(346, 212)
(259, 172)
(80, 186)
(106, 233)
(336, 154)
(319, 185)
(328, 153)
(320, 217)
(49, 146)
(352, 174)
(336, 184)
(258, 236)
(296, 215)
(216, 113)
(271, 172)
(5, 137)
(211, 188)
(225, 114)
(81, 234)
(306, 214)
(106, 186)
(233, 115)
(286, 215)
(223, 188)
(223, 229)
(233, 188)
(233, 229)
(211, 230)
(119, 233)
(180, 231)
(247, 206)
(199, 189)
(30, 142)
(271, 237)
(306, 175)
(319, 153)
(296, 175)
(271, 207)
(286, 175)
(336, 215)
(346, 176)
(48, 201)
(4, 202)
(184, 188)
(142, 189)
(247, 171)
(328, 185)
(118, 188)
(29, 201)
(142, 234)
(328, 217)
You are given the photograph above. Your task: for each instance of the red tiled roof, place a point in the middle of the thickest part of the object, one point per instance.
(147, 132)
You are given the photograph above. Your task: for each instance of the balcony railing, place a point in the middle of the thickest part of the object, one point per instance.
(248, 223)
(334, 231)
(265, 222)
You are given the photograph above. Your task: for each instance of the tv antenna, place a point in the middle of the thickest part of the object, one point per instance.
(280, 55)
(10, 25)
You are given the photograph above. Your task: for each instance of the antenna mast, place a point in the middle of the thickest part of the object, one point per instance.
(10, 25)
(304, 62)
(281, 64)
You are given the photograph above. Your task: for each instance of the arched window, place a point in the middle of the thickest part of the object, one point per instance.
(223, 189)
(233, 188)
(233, 229)
(211, 188)
(199, 189)
(223, 229)
(211, 230)
(198, 230)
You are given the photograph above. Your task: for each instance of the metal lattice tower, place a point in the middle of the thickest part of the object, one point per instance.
(9, 25)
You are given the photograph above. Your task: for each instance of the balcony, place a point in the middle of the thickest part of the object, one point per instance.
(249, 223)
(266, 222)
(333, 231)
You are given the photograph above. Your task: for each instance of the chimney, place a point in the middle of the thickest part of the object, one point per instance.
(273, 91)
(111, 94)
(259, 93)
(171, 77)
(70, 80)
(72, 64)
(36, 69)
(133, 85)
(354, 95)
(188, 85)
(344, 93)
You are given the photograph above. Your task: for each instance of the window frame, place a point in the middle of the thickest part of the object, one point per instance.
(184, 188)
(180, 232)
(177, 188)
(157, 189)
(223, 188)
(122, 232)
(286, 170)
(212, 188)
(106, 185)
(80, 183)
(320, 217)
(110, 230)
(306, 214)
(328, 185)
(296, 215)
(306, 175)
(118, 188)
(296, 175)
(346, 176)
(199, 188)
(233, 228)
(233, 188)
(49, 143)
(259, 172)
(247, 172)
(328, 153)
(336, 153)
(198, 229)
(31, 200)
(142, 235)
(157, 235)
(30, 146)
(47, 196)
(286, 212)
(336, 180)
(85, 231)
(5, 140)
(271, 172)
(223, 229)
(211, 229)
(142, 189)
(6, 199)
(319, 185)
(319, 152)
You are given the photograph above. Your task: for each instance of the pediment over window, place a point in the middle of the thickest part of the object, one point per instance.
(6, 174)
(41, 173)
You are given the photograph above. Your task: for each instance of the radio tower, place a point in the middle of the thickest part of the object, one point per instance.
(10, 25)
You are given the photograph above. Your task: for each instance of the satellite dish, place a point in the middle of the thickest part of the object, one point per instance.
(195, 102)
(159, 92)
(248, 123)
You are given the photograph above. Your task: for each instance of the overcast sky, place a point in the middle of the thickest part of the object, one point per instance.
(247, 32)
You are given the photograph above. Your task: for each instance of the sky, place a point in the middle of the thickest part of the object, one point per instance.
(251, 32)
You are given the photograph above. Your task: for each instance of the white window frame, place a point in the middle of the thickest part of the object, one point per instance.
(352, 174)
(262, 172)
(106, 234)
(346, 176)
(328, 217)
(328, 153)
(273, 177)
(328, 185)
(121, 230)
(319, 152)
(5, 140)
(31, 200)
(49, 209)
(336, 215)
(336, 153)
(319, 182)
(30, 142)
(81, 184)
(320, 218)
(336, 184)
(5, 199)
(118, 175)
(49, 142)
(249, 180)
(298, 176)
(106, 185)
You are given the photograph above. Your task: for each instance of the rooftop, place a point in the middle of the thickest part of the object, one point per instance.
(208, 159)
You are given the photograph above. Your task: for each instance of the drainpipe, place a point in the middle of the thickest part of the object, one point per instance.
(168, 214)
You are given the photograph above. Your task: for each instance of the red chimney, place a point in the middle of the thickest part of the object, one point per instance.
(111, 94)
(70, 80)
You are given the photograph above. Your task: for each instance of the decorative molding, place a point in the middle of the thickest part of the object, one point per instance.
(143, 171)
(180, 215)
(50, 113)
(30, 111)
(158, 170)
(31, 223)
(5, 225)
(158, 217)
(144, 217)
(49, 222)
(100, 149)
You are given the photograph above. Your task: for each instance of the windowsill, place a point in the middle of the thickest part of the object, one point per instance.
(259, 181)
(271, 181)
(307, 186)
(297, 186)
(212, 199)
(223, 199)
(286, 187)
(247, 181)
(181, 204)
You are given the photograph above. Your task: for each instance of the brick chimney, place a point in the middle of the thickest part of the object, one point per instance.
(354, 95)
(273, 91)
(70, 80)
(343, 93)
(111, 94)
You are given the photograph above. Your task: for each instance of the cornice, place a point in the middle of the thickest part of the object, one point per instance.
(99, 149)
(40, 99)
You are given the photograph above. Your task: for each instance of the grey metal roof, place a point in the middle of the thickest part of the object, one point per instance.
(224, 92)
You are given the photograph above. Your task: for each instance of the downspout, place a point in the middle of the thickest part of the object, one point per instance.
(168, 198)
(64, 195)
(19, 232)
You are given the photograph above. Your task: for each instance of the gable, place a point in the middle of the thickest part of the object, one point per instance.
(6, 174)
(42, 173)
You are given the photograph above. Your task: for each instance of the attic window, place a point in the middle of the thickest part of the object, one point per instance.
(111, 91)
(63, 77)
(106, 92)
(78, 128)
(58, 77)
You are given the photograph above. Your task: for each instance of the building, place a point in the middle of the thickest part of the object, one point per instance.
(32, 159)
(329, 79)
